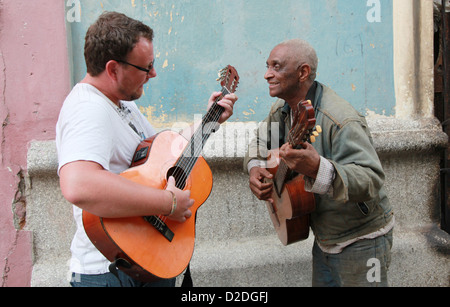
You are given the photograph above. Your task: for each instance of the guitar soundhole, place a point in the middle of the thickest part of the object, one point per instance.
(180, 176)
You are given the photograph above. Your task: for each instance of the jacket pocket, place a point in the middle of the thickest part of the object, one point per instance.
(364, 208)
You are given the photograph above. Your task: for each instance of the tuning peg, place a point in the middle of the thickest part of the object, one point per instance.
(235, 85)
(314, 134)
(222, 74)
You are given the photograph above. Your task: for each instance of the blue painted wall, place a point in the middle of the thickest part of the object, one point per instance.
(196, 38)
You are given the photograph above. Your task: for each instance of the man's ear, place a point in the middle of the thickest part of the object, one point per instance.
(111, 69)
(304, 72)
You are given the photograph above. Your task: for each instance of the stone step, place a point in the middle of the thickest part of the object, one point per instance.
(252, 262)
(231, 210)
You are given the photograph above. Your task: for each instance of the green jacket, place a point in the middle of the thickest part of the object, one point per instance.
(359, 204)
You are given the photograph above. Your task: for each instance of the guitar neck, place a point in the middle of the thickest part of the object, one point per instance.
(211, 119)
(283, 171)
(195, 146)
(304, 121)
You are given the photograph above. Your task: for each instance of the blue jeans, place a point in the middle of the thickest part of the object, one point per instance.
(109, 280)
(364, 263)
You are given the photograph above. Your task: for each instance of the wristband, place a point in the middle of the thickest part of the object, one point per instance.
(174, 203)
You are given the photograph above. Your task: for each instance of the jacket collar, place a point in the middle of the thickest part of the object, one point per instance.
(314, 94)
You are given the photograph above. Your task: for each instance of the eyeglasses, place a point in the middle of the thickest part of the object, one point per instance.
(138, 67)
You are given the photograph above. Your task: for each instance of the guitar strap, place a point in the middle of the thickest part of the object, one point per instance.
(187, 280)
(113, 269)
(127, 116)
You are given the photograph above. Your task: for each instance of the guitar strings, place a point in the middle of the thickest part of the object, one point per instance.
(185, 162)
(212, 116)
(283, 169)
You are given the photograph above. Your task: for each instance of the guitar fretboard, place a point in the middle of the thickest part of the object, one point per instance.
(195, 146)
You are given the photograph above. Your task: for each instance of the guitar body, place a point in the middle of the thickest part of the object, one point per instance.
(291, 208)
(292, 205)
(144, 253)
(151, 248)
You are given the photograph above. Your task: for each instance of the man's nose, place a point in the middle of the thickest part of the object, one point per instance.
(152, 73)
(268, 74)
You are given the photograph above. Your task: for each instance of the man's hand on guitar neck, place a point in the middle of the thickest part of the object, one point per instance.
(227, 102)
(304, 161)
(183, 202)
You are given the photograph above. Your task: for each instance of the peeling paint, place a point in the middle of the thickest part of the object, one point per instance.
(19, 206)
(251, 112)
(150, 113)
(376, 115)
(4, 110)
(353, 53)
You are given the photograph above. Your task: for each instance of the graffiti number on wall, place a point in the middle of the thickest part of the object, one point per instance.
(374, 13)
(74, 13)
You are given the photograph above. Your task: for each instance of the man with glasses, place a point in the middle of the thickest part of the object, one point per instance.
(98, 131)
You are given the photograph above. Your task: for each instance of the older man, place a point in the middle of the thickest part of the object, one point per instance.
(353, 219)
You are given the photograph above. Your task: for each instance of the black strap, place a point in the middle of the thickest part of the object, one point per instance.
(113, 270)
(187, 280)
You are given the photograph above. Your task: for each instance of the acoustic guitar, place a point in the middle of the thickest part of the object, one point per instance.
(151, 248)
(292, 205)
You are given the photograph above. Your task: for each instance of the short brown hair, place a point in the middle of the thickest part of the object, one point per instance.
(112, 37)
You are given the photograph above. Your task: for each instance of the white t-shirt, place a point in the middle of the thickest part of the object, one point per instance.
(91, 128)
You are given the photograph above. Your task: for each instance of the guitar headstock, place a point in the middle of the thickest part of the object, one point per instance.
(229, 78)
(304, 123)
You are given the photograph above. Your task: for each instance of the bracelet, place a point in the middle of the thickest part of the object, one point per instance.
(174, 203)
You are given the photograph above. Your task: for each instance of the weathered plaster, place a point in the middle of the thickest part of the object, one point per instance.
(34, 79)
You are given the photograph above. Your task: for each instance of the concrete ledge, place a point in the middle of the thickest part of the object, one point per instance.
(252, 262)
(390, 135)
(236, 244)
(397, 136)
(420, 259)
(417, 261)
(42, 159)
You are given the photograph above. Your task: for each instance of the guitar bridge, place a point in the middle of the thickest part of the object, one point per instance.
(161, 227)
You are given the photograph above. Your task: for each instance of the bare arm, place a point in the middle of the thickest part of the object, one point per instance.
(90, 187)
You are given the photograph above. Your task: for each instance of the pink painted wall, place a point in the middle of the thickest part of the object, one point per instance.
(34, 80)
